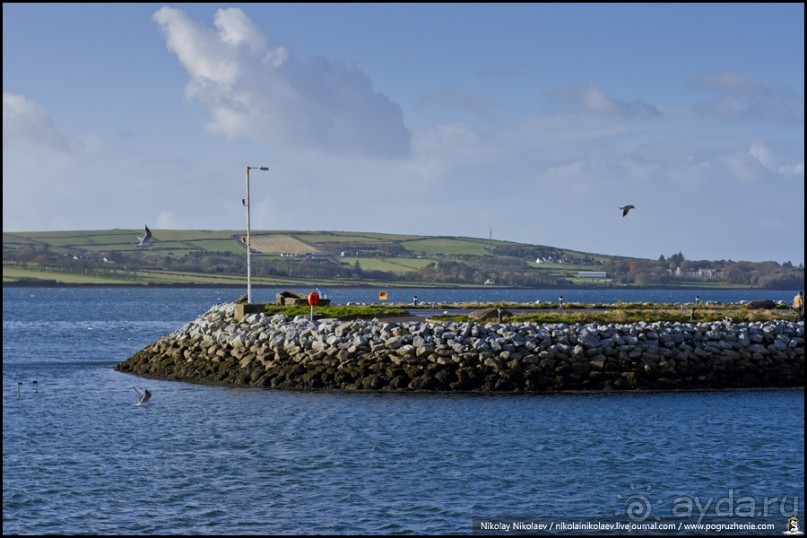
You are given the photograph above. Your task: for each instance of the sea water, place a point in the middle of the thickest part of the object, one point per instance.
(79, 458)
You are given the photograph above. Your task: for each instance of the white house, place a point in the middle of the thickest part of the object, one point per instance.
(591, 274)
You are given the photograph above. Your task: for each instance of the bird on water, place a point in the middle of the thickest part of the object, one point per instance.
(144, 397)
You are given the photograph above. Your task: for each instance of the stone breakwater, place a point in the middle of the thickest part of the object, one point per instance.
(372, 355)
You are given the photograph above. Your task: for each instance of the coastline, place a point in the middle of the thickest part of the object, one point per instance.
(54, 284)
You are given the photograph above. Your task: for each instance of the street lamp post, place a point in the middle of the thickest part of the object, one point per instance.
(249, 248)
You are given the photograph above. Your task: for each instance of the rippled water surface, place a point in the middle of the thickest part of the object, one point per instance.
(79, 458)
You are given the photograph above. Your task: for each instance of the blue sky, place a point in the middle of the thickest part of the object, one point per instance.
(530, 121)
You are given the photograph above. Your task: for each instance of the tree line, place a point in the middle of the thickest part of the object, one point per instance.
(467, 269)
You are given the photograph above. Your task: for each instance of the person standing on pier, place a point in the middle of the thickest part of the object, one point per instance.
(798, 306)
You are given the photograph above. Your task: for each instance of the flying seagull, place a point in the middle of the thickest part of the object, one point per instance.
(625, 209)
(144, 241)
(144, 397)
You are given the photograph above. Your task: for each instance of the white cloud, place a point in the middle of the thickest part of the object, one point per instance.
(590, 99)
(167, 220)
(773, 162)
(23, 118)
(741, 97)
(235, 28)
(563, 177)
(210, 61)
(793, 169)
(741, 168)
(269, 94)
(761, 153)
(731, 82)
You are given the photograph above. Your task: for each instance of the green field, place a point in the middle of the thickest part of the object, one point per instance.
(36, 275)
(176, 241)
(229, 240)
(388, 265)
(349, 237)
(448, 246)
(13, 274)
(144, 277)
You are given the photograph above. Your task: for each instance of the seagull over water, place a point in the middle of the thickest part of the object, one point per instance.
(625, 209)
(144, 241)
(144, 397)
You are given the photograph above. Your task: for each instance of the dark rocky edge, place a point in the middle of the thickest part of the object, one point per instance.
(416, 355)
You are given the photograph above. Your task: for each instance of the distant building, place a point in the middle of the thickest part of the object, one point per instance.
(552, 259)
(591, 274)
(697, 274)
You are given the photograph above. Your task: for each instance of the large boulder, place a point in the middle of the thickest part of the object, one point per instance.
(290, 298)
(761, 304)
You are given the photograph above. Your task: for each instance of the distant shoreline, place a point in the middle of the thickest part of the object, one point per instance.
(53, 284)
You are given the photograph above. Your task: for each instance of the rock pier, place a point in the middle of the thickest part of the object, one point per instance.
(406, 356)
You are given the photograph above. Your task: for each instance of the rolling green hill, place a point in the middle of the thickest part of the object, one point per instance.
(284, 257)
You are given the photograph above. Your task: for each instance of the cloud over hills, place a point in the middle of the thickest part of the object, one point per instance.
(394, 120)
